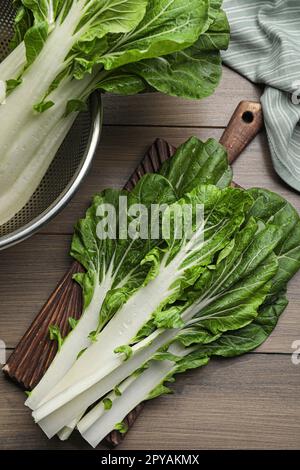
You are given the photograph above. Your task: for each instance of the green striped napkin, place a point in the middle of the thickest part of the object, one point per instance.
(265, 47)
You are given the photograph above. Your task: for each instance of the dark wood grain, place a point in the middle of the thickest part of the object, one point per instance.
(157, 154)
(246, 403)
(155, 109)
(115, 438)
(35, 352)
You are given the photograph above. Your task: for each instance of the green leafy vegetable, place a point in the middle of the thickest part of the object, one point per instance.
(196, 162)
(110, 268)
(41, 107)
(55, 335)
(126, 350)
(107, 403)
(63, 51)
(191, 73)
(150, 384)
(217, 291)
(113, 270)
(80, 353)
(73, 322)
(121, 427)
(171, 271)
(117, 391)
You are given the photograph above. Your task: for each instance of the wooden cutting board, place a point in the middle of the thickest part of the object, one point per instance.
(35, 352)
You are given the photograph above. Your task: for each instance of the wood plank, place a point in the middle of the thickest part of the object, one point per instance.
(29, 273)
(250, 402)
(122, 148)
(155, 109)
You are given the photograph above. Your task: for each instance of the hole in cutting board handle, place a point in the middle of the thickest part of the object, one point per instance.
(248, 117)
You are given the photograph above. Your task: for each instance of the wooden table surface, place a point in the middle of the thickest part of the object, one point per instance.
(251, 402)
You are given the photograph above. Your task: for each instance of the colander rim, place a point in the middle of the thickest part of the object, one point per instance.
(25, 232)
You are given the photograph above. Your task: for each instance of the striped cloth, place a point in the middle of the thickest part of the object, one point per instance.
(265, 48)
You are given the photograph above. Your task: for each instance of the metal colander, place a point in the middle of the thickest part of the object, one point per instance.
(67, 169)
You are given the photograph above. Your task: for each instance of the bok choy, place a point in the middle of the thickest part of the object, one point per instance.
(64, 50)
(149, 384)
(220, 293)
(113, 266)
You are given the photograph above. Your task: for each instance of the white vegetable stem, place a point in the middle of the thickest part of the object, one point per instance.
(32, 151)
(52, 421)
(30, 140)
(86, 371)
(53, 416)
(98, 423)
(66, 432)
(75, 342)
(13, 64)
(2, 91)
(99, 410)
(78, 339)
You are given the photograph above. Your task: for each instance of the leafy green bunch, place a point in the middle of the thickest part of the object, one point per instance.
(156, 308)
(63, 50)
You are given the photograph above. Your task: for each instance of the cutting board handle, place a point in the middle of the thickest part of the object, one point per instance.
(246, 122)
